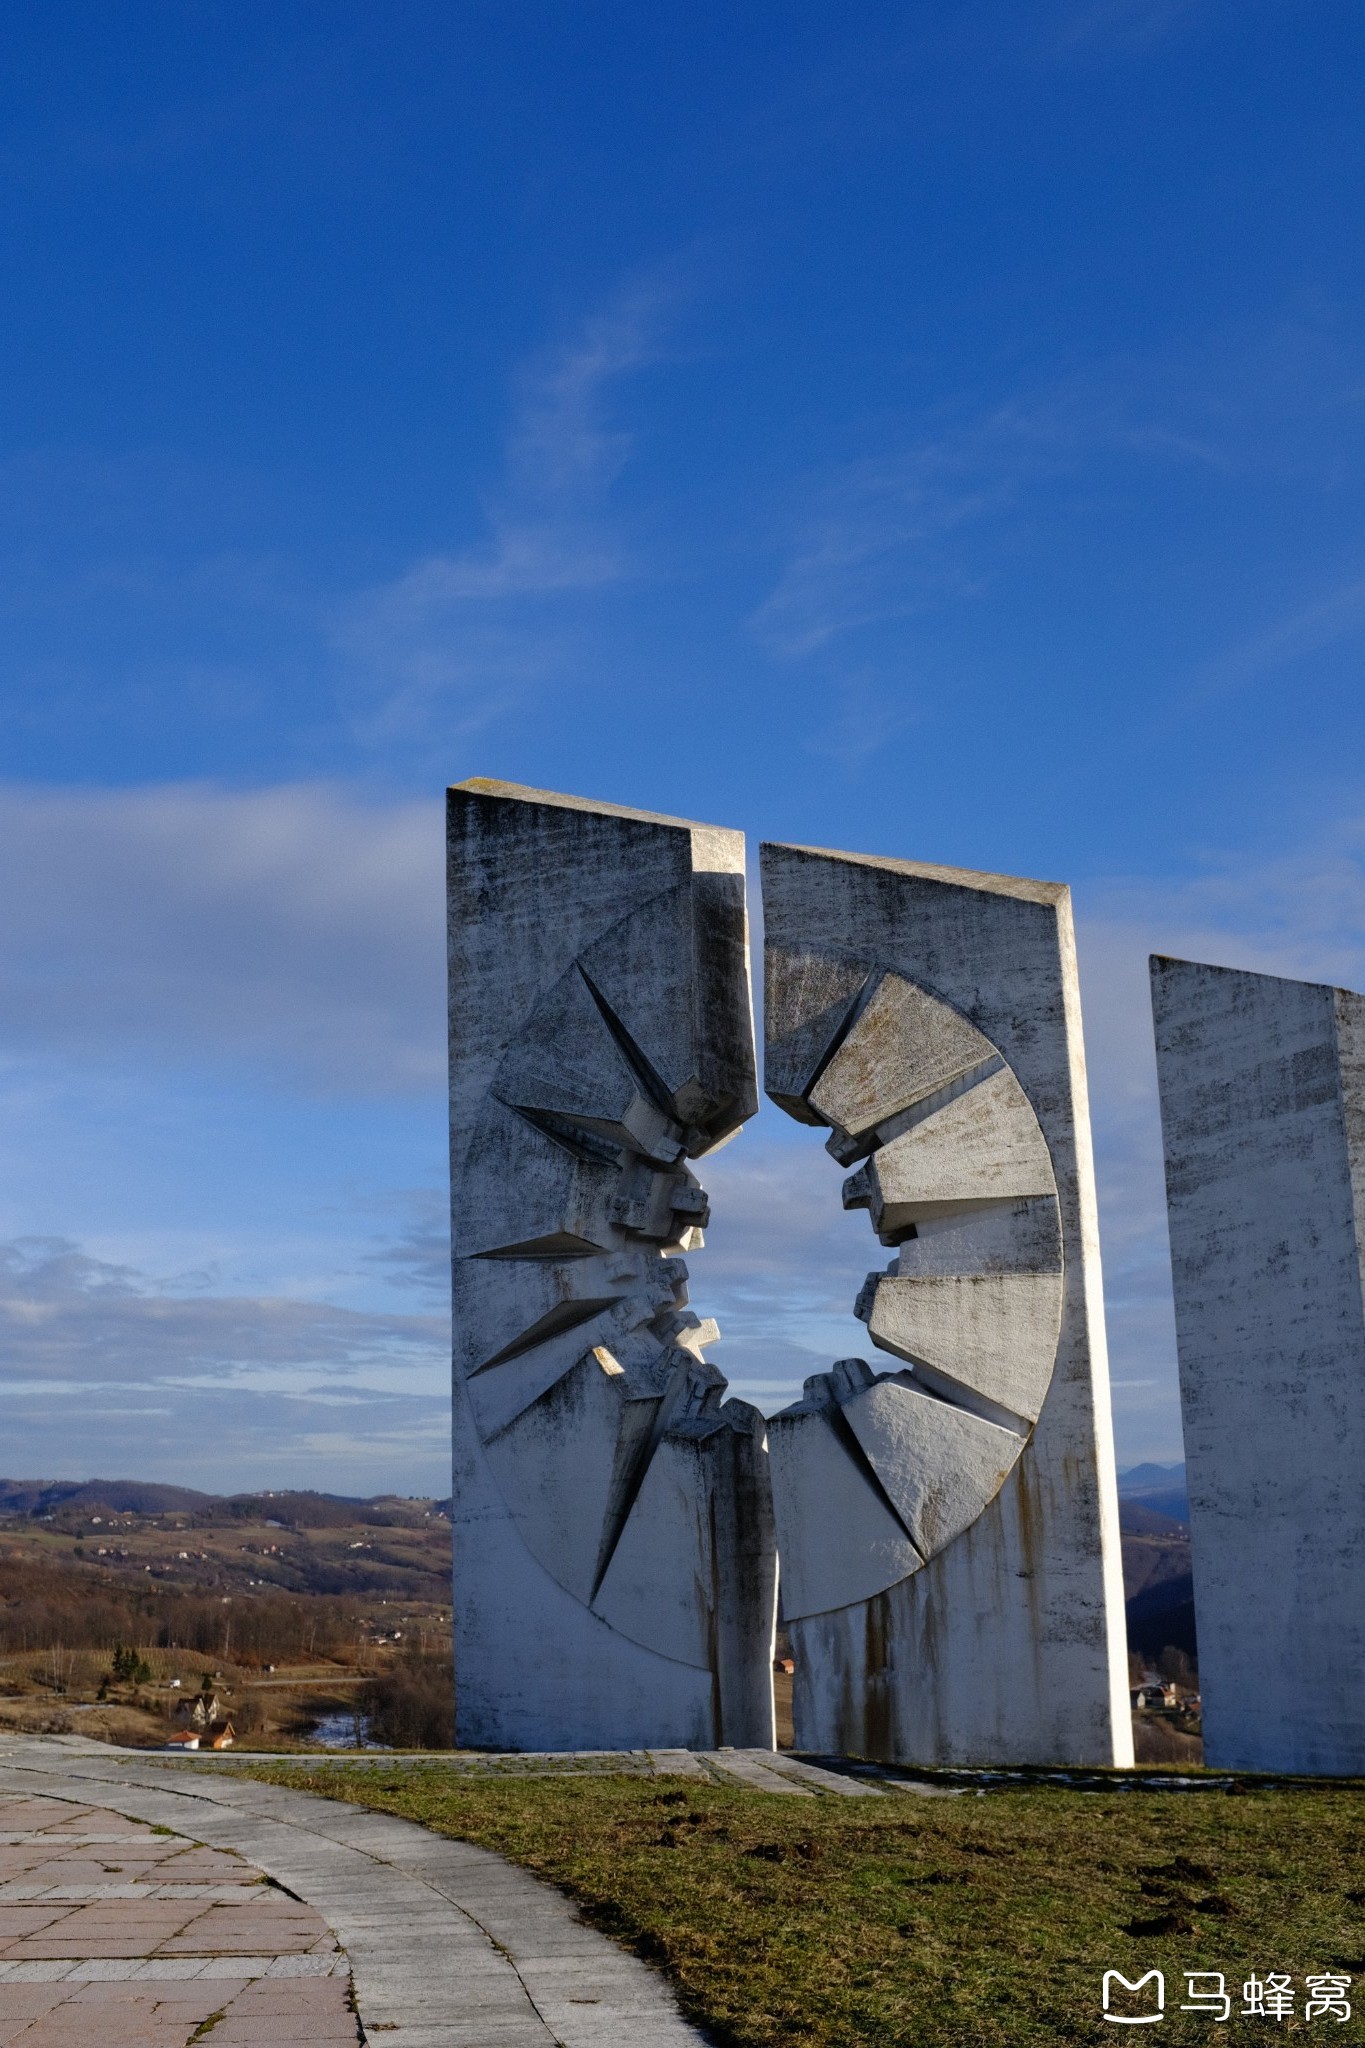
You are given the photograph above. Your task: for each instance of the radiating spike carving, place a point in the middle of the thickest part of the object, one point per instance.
(615, 1553)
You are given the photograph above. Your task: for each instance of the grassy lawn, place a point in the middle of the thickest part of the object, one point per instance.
(940, 1923)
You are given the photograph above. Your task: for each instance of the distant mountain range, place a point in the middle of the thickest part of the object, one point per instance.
(306, 1509)
(1159, 1488)
(1162, 1617)
(1154, 1516)
(175, 1539)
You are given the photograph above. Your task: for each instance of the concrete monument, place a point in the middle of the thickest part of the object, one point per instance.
(1263, 1117)
(615, 1566)
(948, 1529)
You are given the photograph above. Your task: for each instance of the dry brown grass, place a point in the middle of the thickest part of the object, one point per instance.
(972, 1922)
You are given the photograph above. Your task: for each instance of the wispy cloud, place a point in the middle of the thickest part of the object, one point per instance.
(124, 1370)
(933, 517)
(864, 718)
(227, 1437)
(418, 1258)
(1300, 913)
(297, 931)
(887, 536)
(1305, 629)
(141, 578)
(872, 545)
(460, 633)
(68, 1317)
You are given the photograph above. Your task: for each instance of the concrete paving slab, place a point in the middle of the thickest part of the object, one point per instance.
(817, 1779)
(753, 1768)
(677, 1763)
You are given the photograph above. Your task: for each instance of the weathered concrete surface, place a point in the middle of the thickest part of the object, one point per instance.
(1263, 1116)
(615, 1567)
(450, 1946)
(949, 1533)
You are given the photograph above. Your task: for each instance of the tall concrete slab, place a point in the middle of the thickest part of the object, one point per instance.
(1263, 1118)
(948, 1527)
(615, 1569)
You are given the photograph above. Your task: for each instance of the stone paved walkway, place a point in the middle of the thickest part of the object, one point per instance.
(448, 1945)
(116, 1933)
(152, 1903)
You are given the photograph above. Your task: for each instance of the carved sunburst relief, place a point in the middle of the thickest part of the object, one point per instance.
(603, 1424)
(947, 1567)
(595, 1400)
(955, 1175)
(586, 1367)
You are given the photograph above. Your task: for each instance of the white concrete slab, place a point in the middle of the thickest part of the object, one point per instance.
(990, 1335)
(982, 1147)
(599, 997)
(1007, 1645)
(1263, 1114)
(903, 1046)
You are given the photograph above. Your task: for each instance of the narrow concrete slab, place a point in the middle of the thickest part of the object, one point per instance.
(449, 1945)
(753, 1767)
(817, 1779)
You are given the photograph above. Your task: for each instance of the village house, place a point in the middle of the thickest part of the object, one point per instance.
(203, 1708)
(219, 1735)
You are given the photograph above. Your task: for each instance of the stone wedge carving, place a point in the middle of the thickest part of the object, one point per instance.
(902, 1046)
(936, 1461)
(615, 1568)
(981, 1339)
(1263, 1116)
(948, 1531)
(977, 1149)
(817, 1457)
(950, 1134)
(568, 1071)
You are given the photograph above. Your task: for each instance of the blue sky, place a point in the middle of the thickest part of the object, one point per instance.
(931, 430)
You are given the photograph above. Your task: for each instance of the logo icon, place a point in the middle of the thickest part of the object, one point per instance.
(1134, 2019)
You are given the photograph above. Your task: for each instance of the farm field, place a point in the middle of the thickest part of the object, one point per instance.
(287, 1609)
